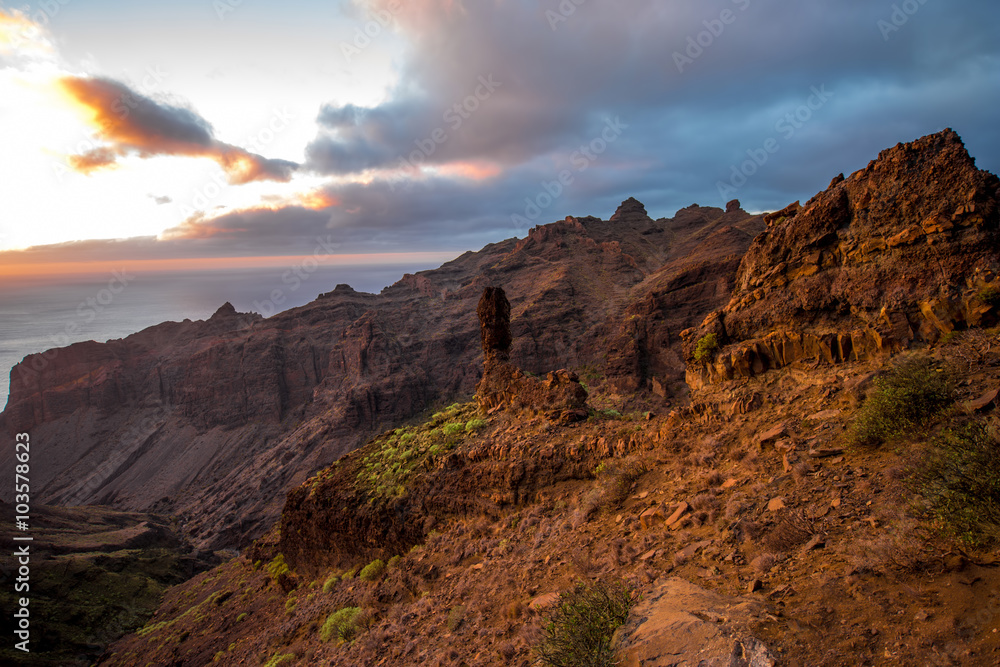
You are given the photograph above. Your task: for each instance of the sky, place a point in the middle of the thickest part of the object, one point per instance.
(198, 133)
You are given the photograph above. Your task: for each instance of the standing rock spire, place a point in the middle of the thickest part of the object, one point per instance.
(560, 396)
(494, 323)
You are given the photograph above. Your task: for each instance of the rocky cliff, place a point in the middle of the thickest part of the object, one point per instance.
(214, 420)
(899, 252)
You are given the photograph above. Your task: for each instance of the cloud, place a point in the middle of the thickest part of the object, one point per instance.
(93, 160)
(691, 118)
(134, 124)
(494, 99)
(22, 40)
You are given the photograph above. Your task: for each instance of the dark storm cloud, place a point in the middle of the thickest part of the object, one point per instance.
(703, 84)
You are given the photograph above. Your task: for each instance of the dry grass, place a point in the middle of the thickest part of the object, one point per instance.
(898, 546)
(790, 532)
(615, 480)
(765, 562)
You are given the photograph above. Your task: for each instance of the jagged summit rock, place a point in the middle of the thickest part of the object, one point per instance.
(899, 252)
(225, 310)
(733, 205)
(630, 210)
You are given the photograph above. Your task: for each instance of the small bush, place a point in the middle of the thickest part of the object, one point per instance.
(910, 395)
(454, 428)
(577, 633)
(279, 659)
(342, 624)
(241, 617)
(349, 574)
(474, 425)
(277, 567)
(706, 348)
(959, 480)
(393, 562)
(990, 295)
(374, 570)
(330, 582)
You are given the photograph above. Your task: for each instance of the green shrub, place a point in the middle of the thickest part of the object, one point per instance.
(330, 582)
(474, 425)
(577, 633)
(277, 567)
(374, 570)
(990, 295)
(910, 395)
(706, 348)
(342, 624)
(454, 428)
(241, 617)
(393, 562)
(959, 481)
(349, 574)
(279, 659)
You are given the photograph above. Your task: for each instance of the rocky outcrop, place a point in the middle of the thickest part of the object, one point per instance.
(897, 253)
(631, 210)
(647, 350)
(560, 396)
(679, 623)
(494, 324)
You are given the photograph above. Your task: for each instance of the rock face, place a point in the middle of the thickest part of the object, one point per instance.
(213, 421)
(901, 251)
(684, 625)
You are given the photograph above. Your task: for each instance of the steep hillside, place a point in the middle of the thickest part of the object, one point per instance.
(213, 421)
(816, 501)
(94, 575)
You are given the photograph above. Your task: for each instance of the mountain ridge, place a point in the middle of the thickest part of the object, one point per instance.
(213, 420)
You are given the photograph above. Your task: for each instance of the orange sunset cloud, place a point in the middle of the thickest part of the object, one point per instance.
(134, 124)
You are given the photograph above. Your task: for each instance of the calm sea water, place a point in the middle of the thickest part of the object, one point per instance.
(37, 316)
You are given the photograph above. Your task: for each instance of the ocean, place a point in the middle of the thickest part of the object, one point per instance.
(38, 315)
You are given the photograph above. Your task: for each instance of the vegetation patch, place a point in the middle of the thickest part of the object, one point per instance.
(373, 571)
(705, 349)
(330, 582)
(959, 481)
(280, 659)
(342, 624)
(396, 456)
(577, 633)
(915, 391)
(278, 567)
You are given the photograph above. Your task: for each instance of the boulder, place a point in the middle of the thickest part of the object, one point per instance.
(683, 625)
